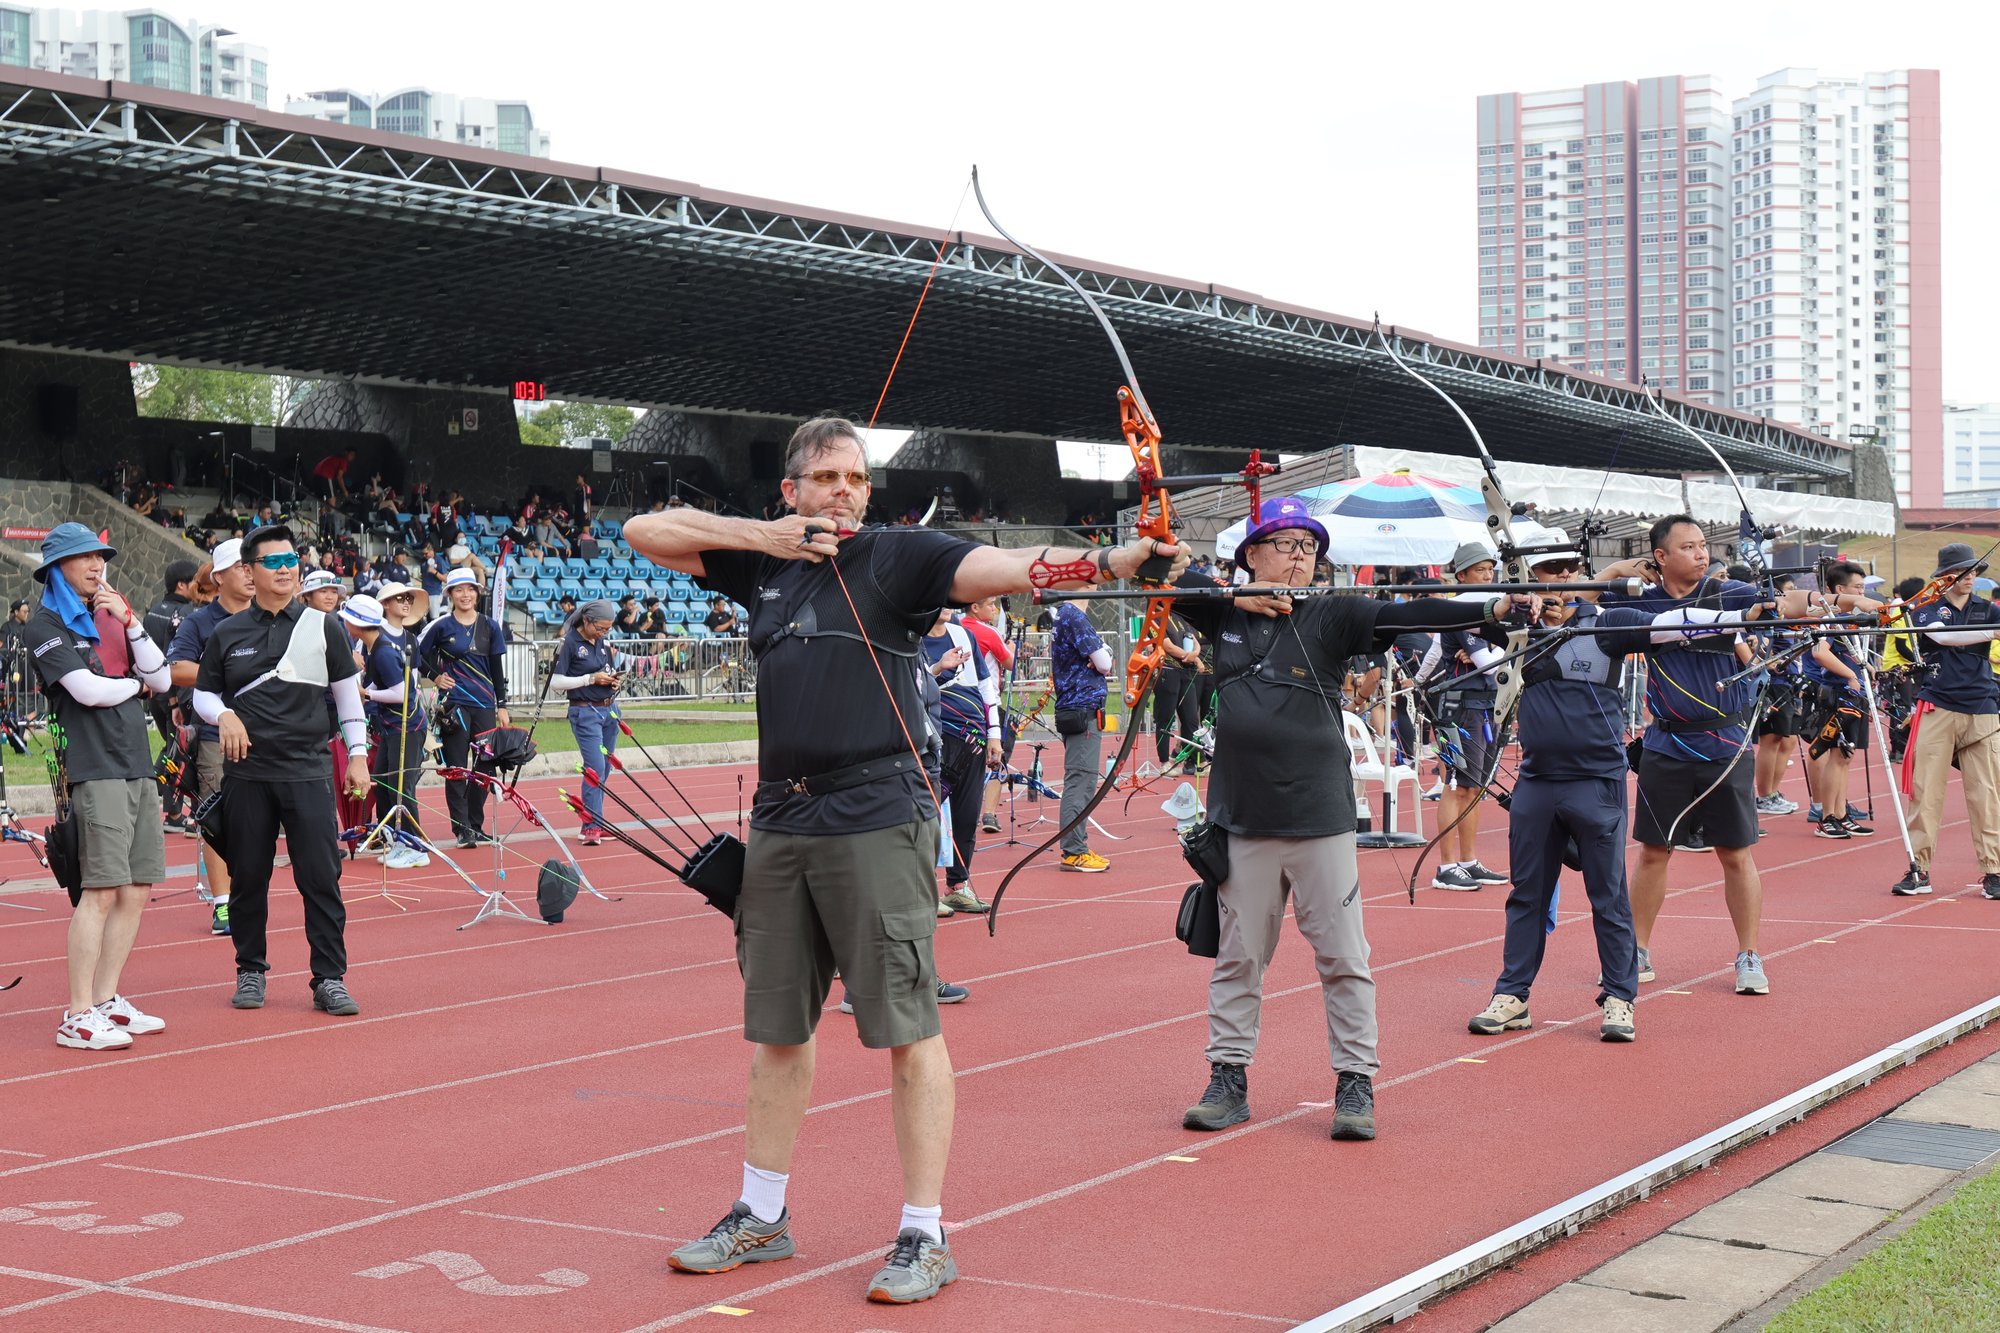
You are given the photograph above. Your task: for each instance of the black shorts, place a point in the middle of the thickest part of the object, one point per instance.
(1726, 817)
(1853, 731)
(1783, 722)
(1475, 740)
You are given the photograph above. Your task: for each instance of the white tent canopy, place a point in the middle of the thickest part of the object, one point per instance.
(1584, 491)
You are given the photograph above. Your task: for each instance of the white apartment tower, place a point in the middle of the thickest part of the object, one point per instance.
(481, 122)
(1834, 263)
(1777, 255)
(1601, 230)
(145, 46)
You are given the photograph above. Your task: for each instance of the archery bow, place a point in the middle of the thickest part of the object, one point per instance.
(1155, 520)
(1500, 513)
(1750, 549)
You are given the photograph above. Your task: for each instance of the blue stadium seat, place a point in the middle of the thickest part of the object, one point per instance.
(638, 586)
(539, 609)
(524, 566)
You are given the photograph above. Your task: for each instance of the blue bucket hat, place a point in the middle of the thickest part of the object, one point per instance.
(1287, 511)
(68, 539)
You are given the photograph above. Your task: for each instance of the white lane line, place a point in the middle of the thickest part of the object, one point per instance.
(89, 1287)
(254, 1184)
(576, 1226)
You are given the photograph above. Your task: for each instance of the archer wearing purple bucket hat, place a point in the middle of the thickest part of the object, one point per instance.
(1287, 511)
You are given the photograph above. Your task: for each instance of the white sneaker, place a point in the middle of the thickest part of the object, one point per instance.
(91, 1031)
(405, 857)
(126, 1015)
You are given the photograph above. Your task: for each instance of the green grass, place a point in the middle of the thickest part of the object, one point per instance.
(691, 706)
(1940, 1276)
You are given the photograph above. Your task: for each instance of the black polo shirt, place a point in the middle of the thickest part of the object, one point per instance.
(821, 705)
(1958, 677)
(286, 719)
(101, 742)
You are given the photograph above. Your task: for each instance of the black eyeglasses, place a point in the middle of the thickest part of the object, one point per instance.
(1291, 545)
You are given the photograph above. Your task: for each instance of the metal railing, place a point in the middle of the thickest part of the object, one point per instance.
(669, 669)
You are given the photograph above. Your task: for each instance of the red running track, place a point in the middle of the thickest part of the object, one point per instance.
(525, 1118)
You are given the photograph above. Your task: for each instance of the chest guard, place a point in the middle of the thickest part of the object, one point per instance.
(815, 607)
(1581, 658)
(1266, 649)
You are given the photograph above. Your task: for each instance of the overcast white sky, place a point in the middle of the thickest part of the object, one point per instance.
(1312, 153)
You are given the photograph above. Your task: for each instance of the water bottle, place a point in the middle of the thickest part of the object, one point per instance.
(1035, 776)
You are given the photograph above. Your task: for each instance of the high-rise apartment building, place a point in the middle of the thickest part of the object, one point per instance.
(1777, 254)
(137, 46)
(1834, 265)
(481, 122)
(1602, 214)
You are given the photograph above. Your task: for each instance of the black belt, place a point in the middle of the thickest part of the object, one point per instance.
(840, 779)
(1685, 726)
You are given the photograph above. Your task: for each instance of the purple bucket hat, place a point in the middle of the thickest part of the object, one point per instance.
(1287, 511)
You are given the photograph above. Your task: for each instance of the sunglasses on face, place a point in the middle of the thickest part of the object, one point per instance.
(289, 560)
(1560, 566)
(827, 476)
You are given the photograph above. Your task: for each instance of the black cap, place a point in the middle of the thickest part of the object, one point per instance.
(179, 572)
(16, 607)
(1957, 555)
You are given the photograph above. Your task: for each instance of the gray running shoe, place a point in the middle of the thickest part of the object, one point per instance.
(1750, 974)
(1617, 1024)
(249, 991)
(331, 996)
(917, 1269)
(1989, 886)
(963, 899)
(1225, 1102)
(738, 1239)
(1915, 884)
(1645, 965)
(1484, 875)
(1354, 1107)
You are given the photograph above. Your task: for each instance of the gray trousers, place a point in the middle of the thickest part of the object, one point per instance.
(1081, 754)
(1323, 880)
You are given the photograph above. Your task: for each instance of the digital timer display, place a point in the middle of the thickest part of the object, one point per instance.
(530, 391)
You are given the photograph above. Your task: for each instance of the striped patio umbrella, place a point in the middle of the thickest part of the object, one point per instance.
(1398, 518)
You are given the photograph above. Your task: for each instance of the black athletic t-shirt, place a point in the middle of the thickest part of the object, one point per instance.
(102, 742)
(1282, 769)
(821, 705)
(286, 719)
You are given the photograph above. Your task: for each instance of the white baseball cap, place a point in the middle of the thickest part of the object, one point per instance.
(460, 578)
(319, 580)
(362, 610)
(227, 555)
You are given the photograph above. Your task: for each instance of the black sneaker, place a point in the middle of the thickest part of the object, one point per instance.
(1832, 828)
(1354, 1107)
(479, 837)
(989, 824)
(465, 840)
(1456, 879)
(1692, 842)
(330, 996)
(249, 991)
(1989, 886)
(1226, 1101)
(1485, 876)
(1916, 884)
(1856, 829)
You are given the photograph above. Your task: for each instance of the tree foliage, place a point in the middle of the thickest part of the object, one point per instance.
(561, 423)
(181, 394)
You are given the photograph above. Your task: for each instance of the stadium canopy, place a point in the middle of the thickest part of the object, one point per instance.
(158, 226)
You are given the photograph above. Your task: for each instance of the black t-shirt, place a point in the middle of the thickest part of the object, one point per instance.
(286, 719)
(1960, 676)
(821, 705)
(101, 742)
(164, 620)
(1281, 761)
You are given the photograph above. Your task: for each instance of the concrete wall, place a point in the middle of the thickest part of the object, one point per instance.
(144, 548)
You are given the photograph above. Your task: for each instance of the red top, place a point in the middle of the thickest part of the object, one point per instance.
(331, 467)
(988, 639)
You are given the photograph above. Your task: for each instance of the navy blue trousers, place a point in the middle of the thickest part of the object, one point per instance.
(1544, 816)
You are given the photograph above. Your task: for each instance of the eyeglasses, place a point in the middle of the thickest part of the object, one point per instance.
(1559, 566)
(288, 560)
(1291, 545)
(827, 476)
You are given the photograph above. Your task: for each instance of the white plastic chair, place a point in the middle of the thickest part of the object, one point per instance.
(1367, 766)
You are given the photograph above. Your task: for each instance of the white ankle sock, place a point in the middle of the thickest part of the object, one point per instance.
(923, 1219)
(764, 1191)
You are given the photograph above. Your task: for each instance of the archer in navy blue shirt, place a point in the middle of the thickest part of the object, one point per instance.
(1072, 641)
(1959, 676)
(1572, 729)
(189, 641)
(1681, 677)
(474, 656)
